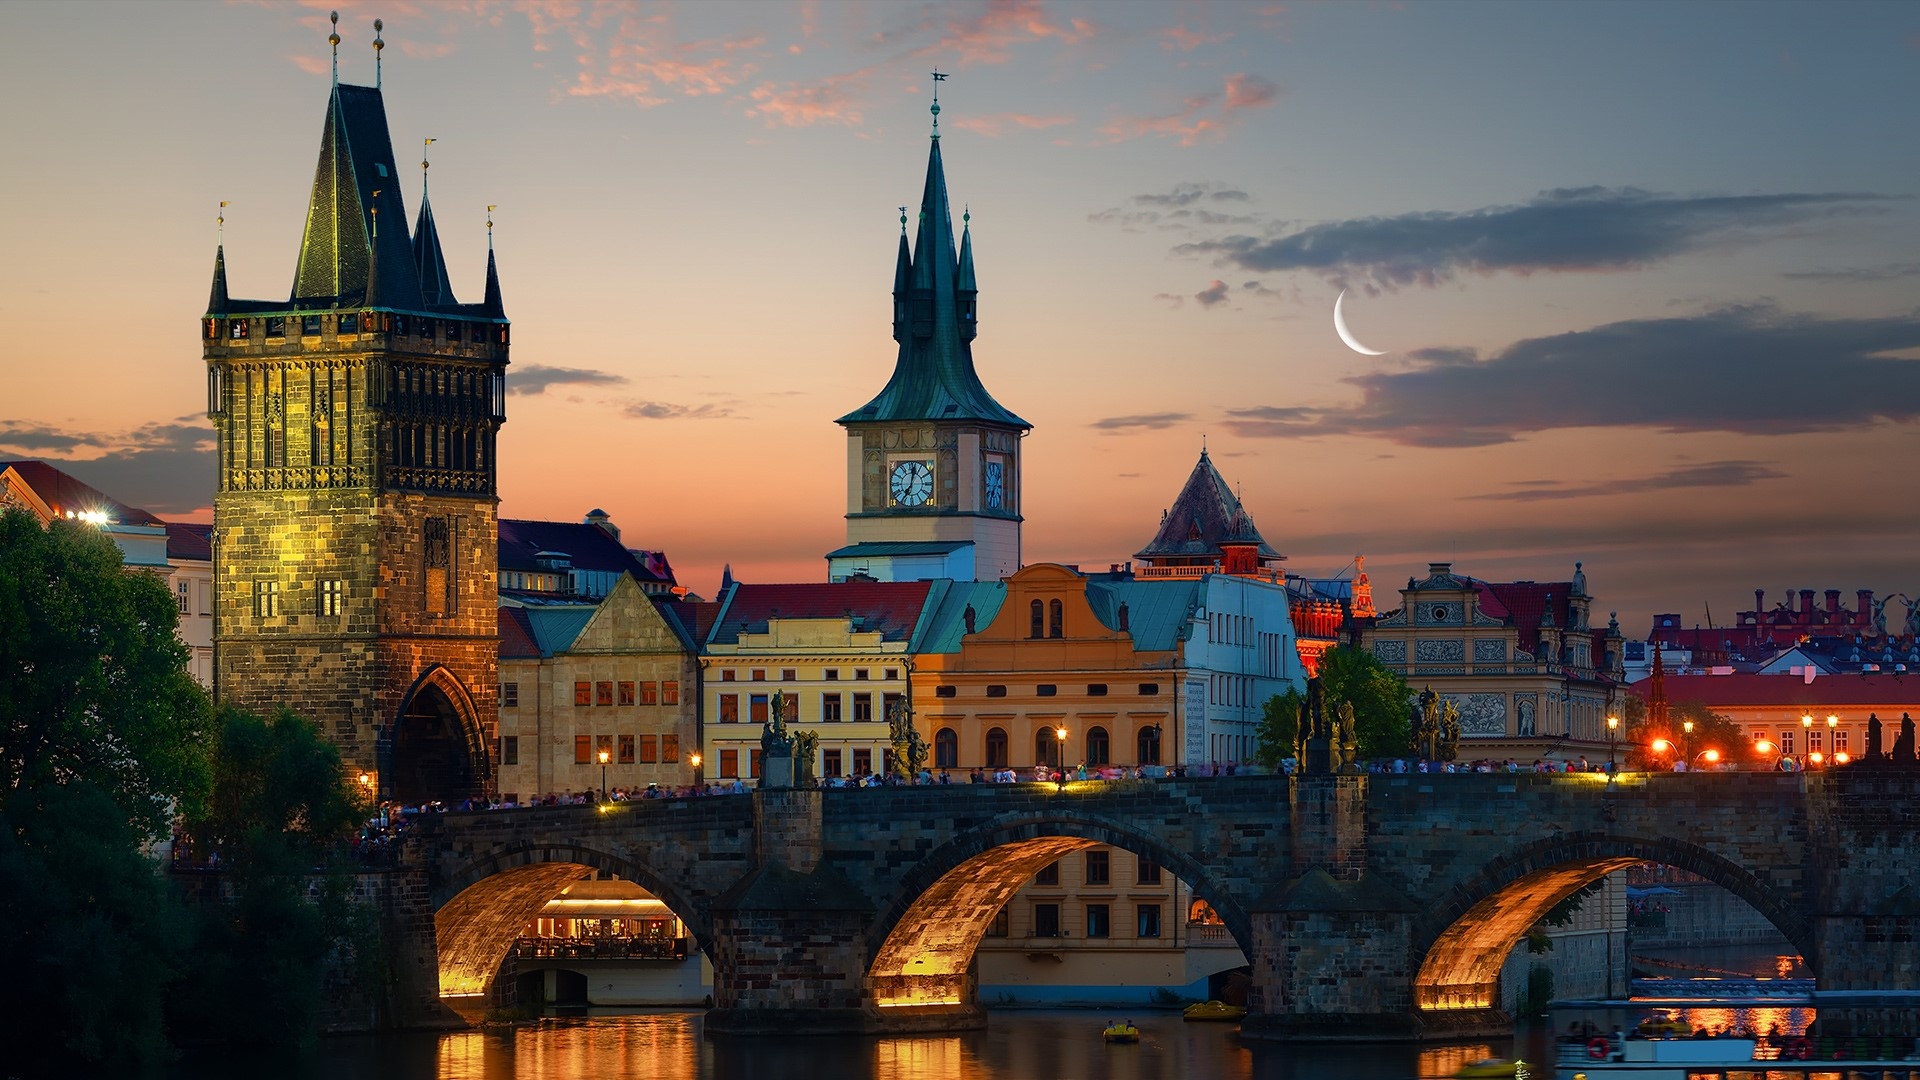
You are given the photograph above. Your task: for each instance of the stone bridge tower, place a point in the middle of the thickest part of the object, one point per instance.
(354, 518)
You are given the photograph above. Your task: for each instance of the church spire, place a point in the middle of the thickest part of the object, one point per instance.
(340, 245)
(428, 260)
(934, 376)
(964, 285)
(217, 300)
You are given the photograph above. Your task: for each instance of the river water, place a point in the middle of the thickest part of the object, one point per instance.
(1016, 1045)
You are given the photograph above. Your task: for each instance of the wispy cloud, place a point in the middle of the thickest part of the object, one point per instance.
(996, 124)
(1749, 370)
(991, 36)
(166, 467)
(666, 410)
(1143, 421)
(1181, 39)
(1190, 206)
(1710, 474)
(1214, 293)
(536, 378)
(1892, 272)
(835, 99)
(1591, 228)
(1202, 116)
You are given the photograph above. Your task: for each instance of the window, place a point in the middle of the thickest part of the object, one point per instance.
(830, 762)
(238, 329)
(730, 763)
(726, 675)
(946, 749)
(1098, 864)
(757, 708)
(1147, 920)
(996, 749)
(1148, 745)
(832, 674)
(583, 693)
(670, 692)
(1814, 741)
(510, 750)
(997, 690)
(670, 748)
(1147, 872)
(1097, 921)
(1149, 689)
(309, 325)
(829, 707)
(788, 674)
(1098, 689)
(626, 749)
(729, 708)
(790, 708)
(862, 707)
(602, 748)
(859, 674)
(1047, 750)
(266, 599)
(1839, 741)
(889, 704)
(998, 927)
(1046, 690)
(510, 695)
(753, 762)
(1046, 920)
(863, 762)
(333, 597)
(758, 674)
(1056, 618)
(582, 749)
(276, 326)
(891, 674)
(1786, 742)
(945, 691)
(649, 692)
(183, 593)
(603, 694)
(453, 330)
(350, 323)
(649, 749)
(1097, 747)
(1037, 619)
(1049, 874)
(626, 692)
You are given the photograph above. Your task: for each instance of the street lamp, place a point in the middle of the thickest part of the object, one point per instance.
(604, 758)
(694, 761)
(1687, 746)
(1763, 747)
(1833, 722)
(1613, 731)
(1709, 755)
(1060, 759)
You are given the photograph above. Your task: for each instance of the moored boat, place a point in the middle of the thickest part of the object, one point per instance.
(1492, 1068)
(1214, 1010)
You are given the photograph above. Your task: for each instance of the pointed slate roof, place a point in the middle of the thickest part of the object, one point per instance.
(217, 299)
(430, 262)
(934, 377)
(339, 249)
(492, 307)
(1206, 515)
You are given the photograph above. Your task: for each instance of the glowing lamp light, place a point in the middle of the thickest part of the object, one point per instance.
(1816, 757)
(366, 780)
(1712, 756)
(1763, 747)
(605, 757)
(1842, 758)
(1832, 721)
(1661, 746)
(1806, 720)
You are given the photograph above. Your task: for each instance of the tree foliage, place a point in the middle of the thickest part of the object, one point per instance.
(96, 684)
(1379, 697)
(280, 800)
(1711, 730)
(1279, 727)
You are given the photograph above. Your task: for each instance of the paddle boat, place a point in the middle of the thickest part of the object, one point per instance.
(1490, 1067)
(1121, 1031)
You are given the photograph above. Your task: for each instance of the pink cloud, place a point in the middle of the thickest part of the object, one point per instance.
(1214, 293)
(998, 123)
(989, 37)
(832, 100)
(309, 63)
(420, 50)
(1198, 118)
(1250, 92)
(1181, 39)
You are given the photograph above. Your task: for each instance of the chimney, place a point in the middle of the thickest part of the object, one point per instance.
(1806, 603)
(1123, 617)
(1833, 601)
(1759, 601)
(1865, 609)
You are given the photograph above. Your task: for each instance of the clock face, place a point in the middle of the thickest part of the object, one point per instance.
(912, 483)
(996, 484)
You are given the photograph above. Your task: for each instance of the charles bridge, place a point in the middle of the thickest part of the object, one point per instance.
(1369, 906)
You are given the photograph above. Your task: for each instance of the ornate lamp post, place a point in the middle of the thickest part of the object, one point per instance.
(1709, 755)
(1661, 747)
(1686, 748)
(604, 758)
(1060, 759)
(1613, 732)
(1833, 722)
(694, 761)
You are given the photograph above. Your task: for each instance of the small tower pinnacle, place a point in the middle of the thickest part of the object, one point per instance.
(424, 143)
(938, 78)
(491, 207)
(377, 46)
(333, 39)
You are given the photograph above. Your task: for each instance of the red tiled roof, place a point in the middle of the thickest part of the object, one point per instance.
(516, 637)
(190, 540)
(67, 495)
(1523, 603)
(1898, 692)
(891, 607)
(698, 617)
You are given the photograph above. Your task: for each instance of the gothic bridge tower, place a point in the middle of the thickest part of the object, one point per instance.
(354, 519)
(933, 462)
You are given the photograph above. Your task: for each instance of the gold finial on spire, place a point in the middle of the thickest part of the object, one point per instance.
(333, 39)
(424, 143)
(221, 221)
(491, 207)
(377, 46)
(938, 78)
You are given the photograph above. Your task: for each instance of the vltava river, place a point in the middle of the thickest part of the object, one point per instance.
(1018, 1045)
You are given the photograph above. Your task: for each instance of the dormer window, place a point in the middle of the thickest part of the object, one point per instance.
(239, 329)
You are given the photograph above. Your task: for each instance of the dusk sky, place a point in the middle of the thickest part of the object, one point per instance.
(1646, 276)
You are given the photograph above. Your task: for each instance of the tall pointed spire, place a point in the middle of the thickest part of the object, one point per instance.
(964, 284)
(934, 376)
(217, 299)
(902, 271)
(428, 260)
(339, 245)
(492, 306)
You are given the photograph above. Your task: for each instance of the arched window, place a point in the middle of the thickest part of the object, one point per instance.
(946, 749)
(1039, 625)
(1148, 745)
(1046, 748)
(1098, 752)
(996, 748)
(1055, 612)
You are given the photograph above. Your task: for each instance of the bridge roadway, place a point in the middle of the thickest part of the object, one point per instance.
(1370, 906)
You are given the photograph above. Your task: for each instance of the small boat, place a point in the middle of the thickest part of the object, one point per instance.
(1121, 1031)
(1214, 1010)
(1489, 1067)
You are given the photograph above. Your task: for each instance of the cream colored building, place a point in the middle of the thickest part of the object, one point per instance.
(577, 679)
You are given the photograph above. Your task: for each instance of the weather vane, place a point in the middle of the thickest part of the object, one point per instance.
(423, 165)
(903, 220)
(333, 39)
(938, 78)
(491, 207)
(221, 221)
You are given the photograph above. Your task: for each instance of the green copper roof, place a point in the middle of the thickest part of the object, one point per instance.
(934, 321)
(342, 260)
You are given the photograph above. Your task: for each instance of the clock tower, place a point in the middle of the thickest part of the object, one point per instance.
(933, 462)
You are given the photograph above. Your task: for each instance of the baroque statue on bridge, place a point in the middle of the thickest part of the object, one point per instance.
(774, 740)
(1447, 746)
(1903, 746)
(909, 749)
(1426, 725)
(1874, 751)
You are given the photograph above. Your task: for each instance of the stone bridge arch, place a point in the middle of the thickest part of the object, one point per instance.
(921, 945)
(480, 908)
(1461, 942)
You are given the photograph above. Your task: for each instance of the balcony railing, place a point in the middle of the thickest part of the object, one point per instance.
(540, 948)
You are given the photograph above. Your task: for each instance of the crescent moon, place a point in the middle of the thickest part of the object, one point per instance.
(1340, 327)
